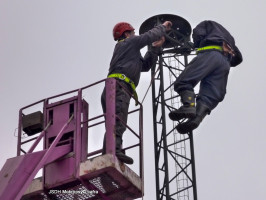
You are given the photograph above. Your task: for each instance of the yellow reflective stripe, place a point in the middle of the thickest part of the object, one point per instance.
(210, 47)
(124, 78)
(127, 80)
(121, 76)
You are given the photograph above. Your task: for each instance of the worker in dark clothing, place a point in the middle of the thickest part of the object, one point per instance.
(126, 66)
(216, 53)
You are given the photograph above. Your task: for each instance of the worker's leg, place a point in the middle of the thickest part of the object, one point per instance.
(212, 91)
(191, 124)
(213, 87)
(103, 102)
(122, 105)
(184, 85)
(187, 110)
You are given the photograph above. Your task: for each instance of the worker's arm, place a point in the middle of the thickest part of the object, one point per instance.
(151, 56)
(159, 42)
(152, 35)
(149, 60)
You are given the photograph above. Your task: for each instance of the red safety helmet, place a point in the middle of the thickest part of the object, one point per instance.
(120, 28)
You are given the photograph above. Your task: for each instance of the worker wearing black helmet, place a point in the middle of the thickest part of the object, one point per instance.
(216, 53)
(126, 66)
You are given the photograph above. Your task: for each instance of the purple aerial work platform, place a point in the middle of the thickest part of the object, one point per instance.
(69, 170)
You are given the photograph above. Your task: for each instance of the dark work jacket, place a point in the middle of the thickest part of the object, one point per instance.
(127, 58)
(212, 33)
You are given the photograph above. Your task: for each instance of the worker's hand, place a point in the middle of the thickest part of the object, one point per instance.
(159, 43)
(227, 49)
(167, 25)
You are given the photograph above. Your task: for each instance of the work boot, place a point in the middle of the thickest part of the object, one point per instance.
(121, 155)
(187, 110)
(193, 123)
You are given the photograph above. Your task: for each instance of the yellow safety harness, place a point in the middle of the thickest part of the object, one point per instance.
(127, 80)
(209, 48)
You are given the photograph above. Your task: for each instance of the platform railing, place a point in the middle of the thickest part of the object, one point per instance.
(106, 118)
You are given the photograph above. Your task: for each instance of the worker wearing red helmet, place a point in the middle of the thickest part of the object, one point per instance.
(126, 65)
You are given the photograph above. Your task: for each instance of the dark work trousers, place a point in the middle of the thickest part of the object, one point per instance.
(121, 106)
(211, 69)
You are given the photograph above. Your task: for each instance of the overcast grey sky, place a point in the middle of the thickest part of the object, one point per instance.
(49, 47)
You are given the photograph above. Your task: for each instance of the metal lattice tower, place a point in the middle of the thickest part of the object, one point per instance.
(174, 153)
